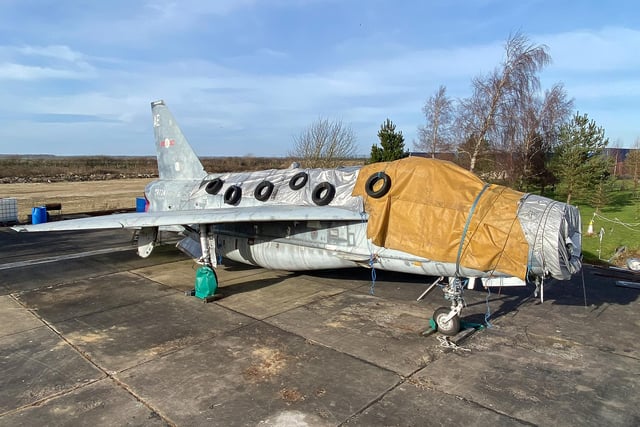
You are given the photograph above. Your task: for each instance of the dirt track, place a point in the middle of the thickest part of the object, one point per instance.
(76, 197)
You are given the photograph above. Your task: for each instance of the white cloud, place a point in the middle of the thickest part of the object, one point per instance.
(43, 63)
(55, 51)
(606, 49)
(10, 71)
(272, 53)
(606, 89)
(171, 9)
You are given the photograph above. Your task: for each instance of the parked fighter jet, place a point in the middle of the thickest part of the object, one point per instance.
(414, 215)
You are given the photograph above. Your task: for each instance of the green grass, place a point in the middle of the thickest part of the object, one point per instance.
(620, 220)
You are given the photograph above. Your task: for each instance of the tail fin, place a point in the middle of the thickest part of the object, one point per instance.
(176, 158)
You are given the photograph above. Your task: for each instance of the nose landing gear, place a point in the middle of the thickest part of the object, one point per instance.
(447, 320)
(446, 323)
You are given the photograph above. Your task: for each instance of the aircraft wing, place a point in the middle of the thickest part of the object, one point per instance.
(200, 216)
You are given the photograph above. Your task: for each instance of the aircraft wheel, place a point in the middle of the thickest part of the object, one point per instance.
(451, 327)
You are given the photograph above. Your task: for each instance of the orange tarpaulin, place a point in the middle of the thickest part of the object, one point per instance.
(432, 205)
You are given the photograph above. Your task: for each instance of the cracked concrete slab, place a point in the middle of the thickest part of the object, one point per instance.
(14, 318)
(37, 364)
(126, 336)
(87, 296)
(383, 332)
(258, 375)
(280, 296)
(413, 404)
(100, 403)
(539, 380)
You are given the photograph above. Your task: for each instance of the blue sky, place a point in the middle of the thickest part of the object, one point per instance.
(243, 77)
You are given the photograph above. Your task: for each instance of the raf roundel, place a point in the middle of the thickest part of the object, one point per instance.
(166, 143)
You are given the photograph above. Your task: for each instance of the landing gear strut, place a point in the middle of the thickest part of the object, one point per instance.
(206, 278)
(447, 320)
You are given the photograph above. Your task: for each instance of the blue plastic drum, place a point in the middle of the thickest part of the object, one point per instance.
(39, 215)
(141, 204)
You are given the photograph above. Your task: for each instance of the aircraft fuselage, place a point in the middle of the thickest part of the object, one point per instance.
(293, 245)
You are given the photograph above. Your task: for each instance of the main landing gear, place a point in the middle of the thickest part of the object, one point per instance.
(206, 283)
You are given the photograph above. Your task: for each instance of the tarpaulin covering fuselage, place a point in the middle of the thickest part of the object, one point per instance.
(440, 211)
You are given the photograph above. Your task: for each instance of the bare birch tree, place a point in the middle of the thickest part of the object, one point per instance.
(537, 128)
(489, 114)
(436, 134)
(324, 144)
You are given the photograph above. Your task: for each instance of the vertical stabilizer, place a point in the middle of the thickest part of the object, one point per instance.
(176, 159)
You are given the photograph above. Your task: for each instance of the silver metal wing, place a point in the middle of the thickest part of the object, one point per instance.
(200, 216)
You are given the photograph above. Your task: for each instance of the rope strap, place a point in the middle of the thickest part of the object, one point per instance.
(466, 227)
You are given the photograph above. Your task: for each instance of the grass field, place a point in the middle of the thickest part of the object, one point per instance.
(620, 225)
(76, 197)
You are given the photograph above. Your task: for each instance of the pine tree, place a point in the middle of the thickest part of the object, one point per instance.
(391, 144)
(632, 165)
(579, 162)
(601, 195)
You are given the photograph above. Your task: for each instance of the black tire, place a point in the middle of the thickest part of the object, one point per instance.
(323, 193)
(232, 195)
(449, 328)
(373, 181)
(298, 180)
(263, 191)
(214, 187)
